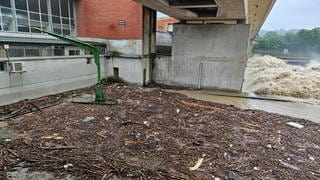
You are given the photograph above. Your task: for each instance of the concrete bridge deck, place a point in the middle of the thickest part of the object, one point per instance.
(253, 12)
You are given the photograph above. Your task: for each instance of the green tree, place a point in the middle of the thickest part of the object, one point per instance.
(270, 41)
(305, 42)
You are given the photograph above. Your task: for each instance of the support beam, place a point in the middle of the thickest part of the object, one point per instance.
(231, 9)
(188, 5)
(195, 6)
(199, 10)
(253, 12)
(225, 21)
(258, 11)
(164, 6)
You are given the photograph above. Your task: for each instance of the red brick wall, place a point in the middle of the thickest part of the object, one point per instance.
(100, 19)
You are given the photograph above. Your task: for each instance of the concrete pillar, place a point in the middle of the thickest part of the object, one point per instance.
(149, 43)
(210, 56)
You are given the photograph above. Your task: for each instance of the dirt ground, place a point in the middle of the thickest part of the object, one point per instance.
(152, 134)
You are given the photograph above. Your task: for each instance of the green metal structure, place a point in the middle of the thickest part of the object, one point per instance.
(93, 50)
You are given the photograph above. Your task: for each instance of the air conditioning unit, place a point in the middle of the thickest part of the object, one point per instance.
(16, 67)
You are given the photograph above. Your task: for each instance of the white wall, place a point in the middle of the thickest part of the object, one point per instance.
(218, 51)
(130, 69)
(129, 47)
(51, 75)
(47, 75)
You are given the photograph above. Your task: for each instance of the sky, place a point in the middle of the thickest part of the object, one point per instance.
(161, 14)
(294, 14)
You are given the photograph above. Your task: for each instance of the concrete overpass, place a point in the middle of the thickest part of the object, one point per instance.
(212, 41)
(253, 12)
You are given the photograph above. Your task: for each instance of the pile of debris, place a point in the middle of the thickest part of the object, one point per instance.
(31, 105)
(152, 134)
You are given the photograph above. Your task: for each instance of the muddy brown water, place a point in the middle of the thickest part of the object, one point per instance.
(6, 134)
(293, 109)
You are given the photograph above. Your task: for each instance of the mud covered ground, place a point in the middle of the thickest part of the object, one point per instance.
(152, 134)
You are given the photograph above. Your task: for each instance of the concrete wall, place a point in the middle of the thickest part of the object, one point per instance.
(131, 62)
(128, 47)
(164, 39)
(47, 75)
(130, 69)
(51, 75)
(213, 56)
(162, 65)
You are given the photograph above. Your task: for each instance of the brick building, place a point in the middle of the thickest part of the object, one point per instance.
(47, 65)
(91, 19)
(112, 19)
(165, 24)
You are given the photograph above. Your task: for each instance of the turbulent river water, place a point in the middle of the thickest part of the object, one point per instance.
(293, 109)
(268, 75)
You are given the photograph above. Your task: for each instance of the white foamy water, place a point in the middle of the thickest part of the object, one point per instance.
(272, 76)
(314, 65)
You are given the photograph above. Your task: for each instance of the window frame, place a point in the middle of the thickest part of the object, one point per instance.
(43, 18)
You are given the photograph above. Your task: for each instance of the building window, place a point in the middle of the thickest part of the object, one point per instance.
(32, 52)
(170, 28)
(58, 51)
(56, 20)
(22, 16)
(74, 52)
(5, 3)
(19, 52)
(34, 14)
(44, 15)
(6, 16)
(52, 15)
(2, 66)
(65, 12)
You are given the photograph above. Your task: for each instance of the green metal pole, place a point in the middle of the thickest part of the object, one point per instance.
(99, 88)
(93, 50)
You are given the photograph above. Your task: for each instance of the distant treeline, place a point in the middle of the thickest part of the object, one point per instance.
(304, 43)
